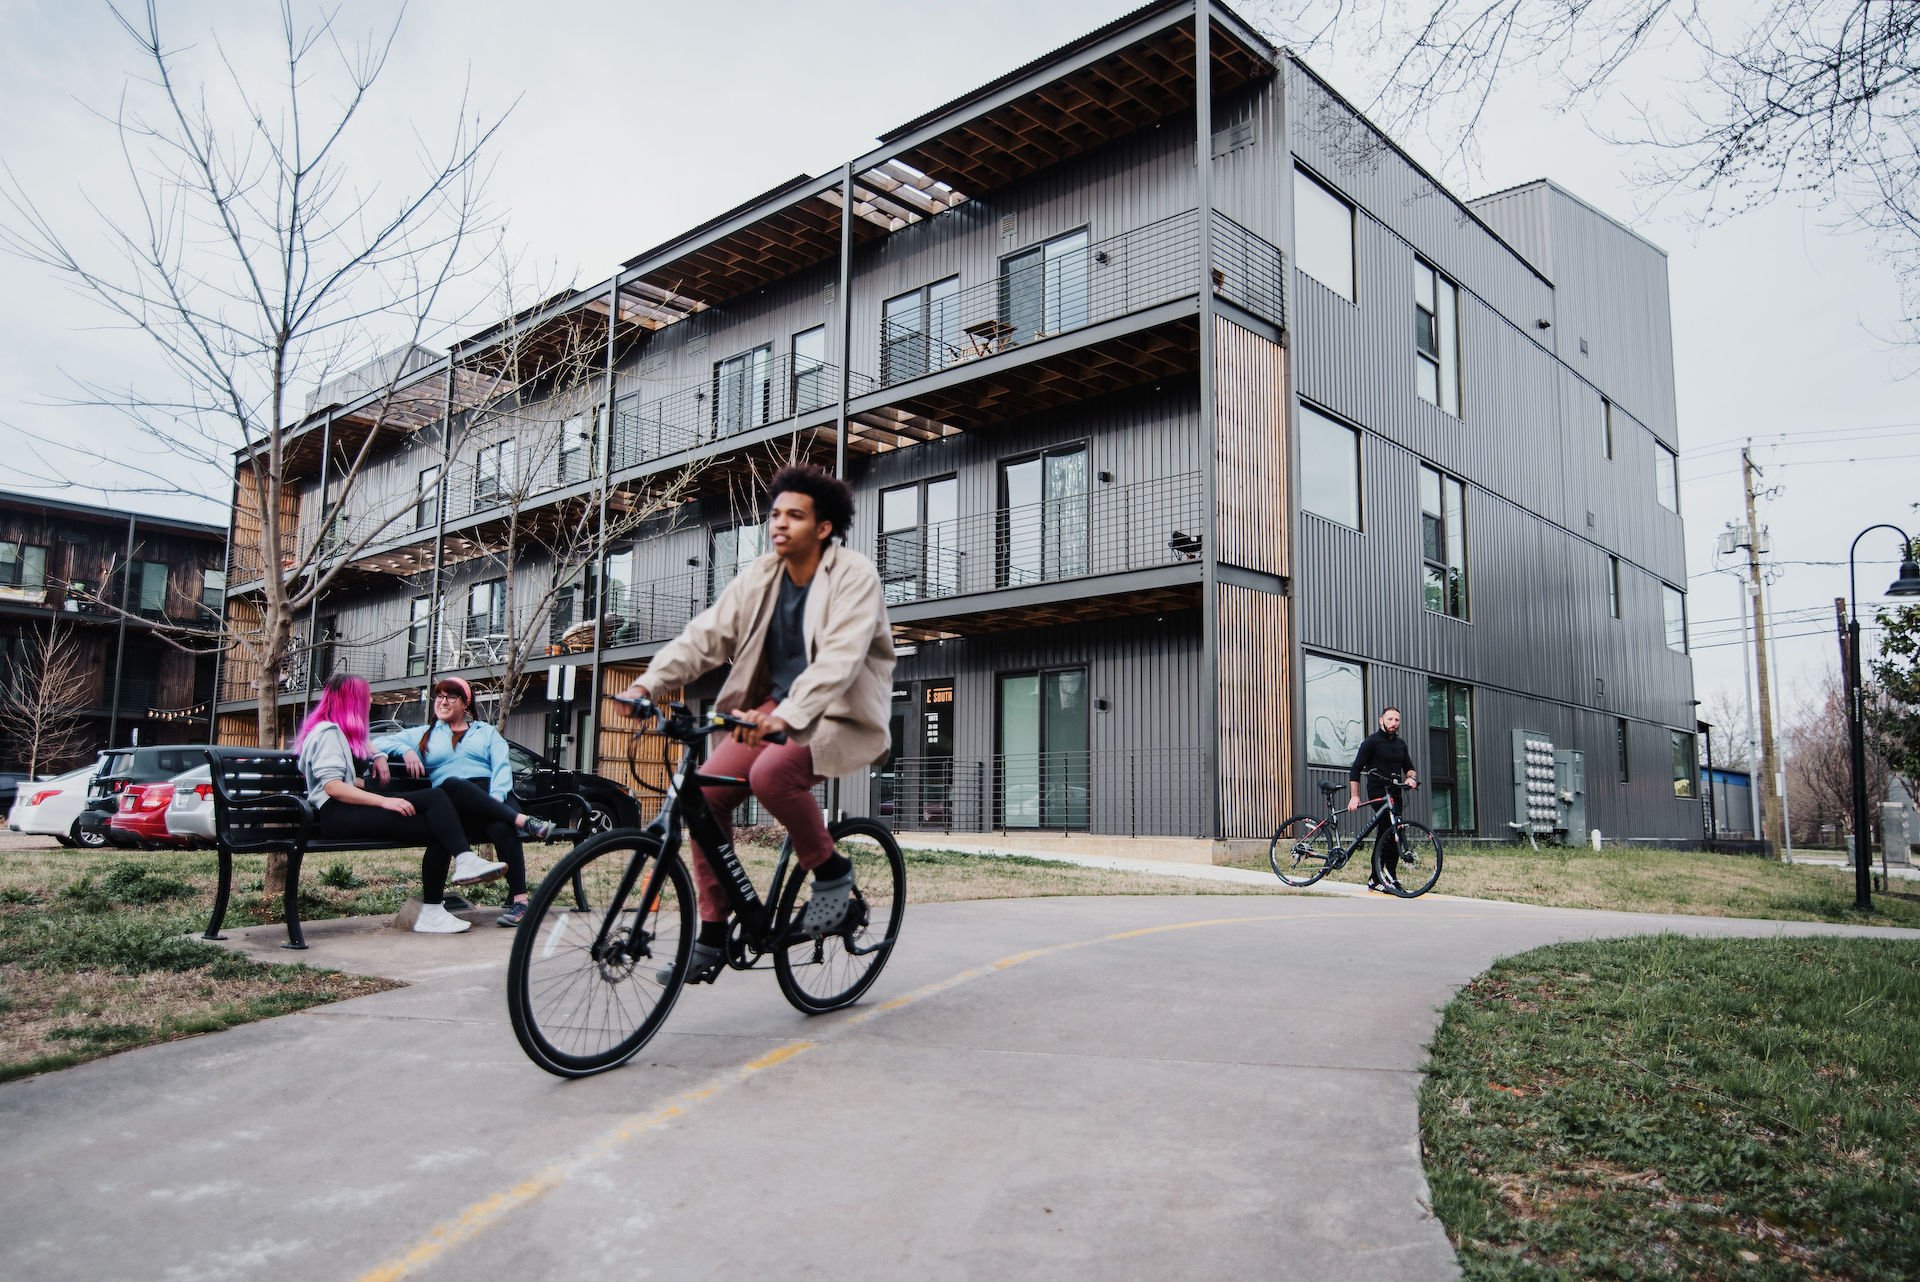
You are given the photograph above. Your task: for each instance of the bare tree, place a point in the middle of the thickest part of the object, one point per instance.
(1810, 99)
(1815, 750)
(258, 265)
(44, 699)
(1726, 711)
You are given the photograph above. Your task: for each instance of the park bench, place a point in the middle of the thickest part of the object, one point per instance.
(260, 806)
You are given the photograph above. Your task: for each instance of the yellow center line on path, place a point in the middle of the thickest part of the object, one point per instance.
(490, 1210)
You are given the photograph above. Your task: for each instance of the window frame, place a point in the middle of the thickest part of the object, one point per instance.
(1044, 782)
(579, 438)
(502, 460)
(808, 380)
(1606, 427)
(1455, 598)
(1623, 756)
(1302, 257)
(931, 577)
(1686, 764)
(716, 584)
(1050, 540)
(1321, 417)
(1613, 585)
(16, 578)
(1666, 477)
(419, 635)
(426, 496)
(756, 372)
(1444, 326)
(1439, 779)
(1669, 597)
(935, 326)
(1053, 317)
(496, 613)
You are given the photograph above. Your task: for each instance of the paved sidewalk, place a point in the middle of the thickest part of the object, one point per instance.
(1082, 1088)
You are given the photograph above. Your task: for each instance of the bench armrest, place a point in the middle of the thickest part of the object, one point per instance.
(294, 808)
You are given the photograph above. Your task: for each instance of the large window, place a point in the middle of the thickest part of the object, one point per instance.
(1336, 706)
(1436, 338)
(920, 330)
(579, 442)
(1329, 468)
(1449, 772)
(1443, 542)
(1323, 235)
(147, 588)
(1666, 477)
(1043, 290)
(426, 497)
(486, 612)
(919, 552)
(419, 635)
(733, 549)
(743, 390)
(22, 565)
(1684, 764)
(213, 592)
(810, 369)
(1674, 605)
(1044, 766)
(494, 474)
(1043, 517)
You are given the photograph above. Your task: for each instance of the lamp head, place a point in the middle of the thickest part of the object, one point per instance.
(1908, 584)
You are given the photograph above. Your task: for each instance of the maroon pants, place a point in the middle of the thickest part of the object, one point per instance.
(781, 776)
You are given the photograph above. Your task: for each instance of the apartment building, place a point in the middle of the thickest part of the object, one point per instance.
(129, 602)
(1175, 472)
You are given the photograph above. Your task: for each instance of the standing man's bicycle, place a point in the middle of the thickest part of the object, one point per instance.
(608, 941)
(1305, 848)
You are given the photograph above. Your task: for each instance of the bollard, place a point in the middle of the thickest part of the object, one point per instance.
(1593, 839)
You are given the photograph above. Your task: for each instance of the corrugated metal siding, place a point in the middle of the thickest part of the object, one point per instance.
(1250, 388)
(1520, 216)
(1256, 713)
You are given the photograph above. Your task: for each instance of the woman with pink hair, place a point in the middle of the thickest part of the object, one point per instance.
(332, 743)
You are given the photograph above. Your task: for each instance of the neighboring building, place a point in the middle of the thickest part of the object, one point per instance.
(1175, 474)
(118, 585)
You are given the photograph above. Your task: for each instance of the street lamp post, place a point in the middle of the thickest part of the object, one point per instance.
(1908, 584)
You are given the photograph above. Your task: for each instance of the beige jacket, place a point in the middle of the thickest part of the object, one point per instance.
(839, 705)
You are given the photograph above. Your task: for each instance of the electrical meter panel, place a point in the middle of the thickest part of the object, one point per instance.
(1536, 792)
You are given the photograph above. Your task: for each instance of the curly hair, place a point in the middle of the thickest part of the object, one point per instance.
(832, 497)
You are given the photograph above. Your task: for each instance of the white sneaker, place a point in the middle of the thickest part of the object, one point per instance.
(470, 869)
(434, 919)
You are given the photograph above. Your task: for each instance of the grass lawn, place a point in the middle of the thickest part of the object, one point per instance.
(95, 955)
(1663, 1107)
(1632, 879)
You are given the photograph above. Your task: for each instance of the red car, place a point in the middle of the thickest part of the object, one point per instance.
(141, 819)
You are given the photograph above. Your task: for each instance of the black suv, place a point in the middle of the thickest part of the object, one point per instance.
(541, 785)
(120, 767)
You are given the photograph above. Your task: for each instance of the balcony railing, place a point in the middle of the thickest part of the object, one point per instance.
(1082, 287)
(743, 394)
(654, 610)
(1114, 529)
(1131, 791)
(503, 482)
(327, 659)
(1248, 270)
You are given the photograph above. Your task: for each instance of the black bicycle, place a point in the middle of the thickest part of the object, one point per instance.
(606, 944)
(1305, 849)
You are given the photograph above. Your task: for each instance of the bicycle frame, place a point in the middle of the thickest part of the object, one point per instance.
(1384, 811)
(684, 811)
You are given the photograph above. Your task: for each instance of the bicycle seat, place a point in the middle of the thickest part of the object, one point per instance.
(1332, 789)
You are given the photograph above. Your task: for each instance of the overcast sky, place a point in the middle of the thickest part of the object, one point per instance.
(635, 120)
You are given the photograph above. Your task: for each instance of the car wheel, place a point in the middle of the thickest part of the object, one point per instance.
(601, 818)
(91, 838)
(65, 840)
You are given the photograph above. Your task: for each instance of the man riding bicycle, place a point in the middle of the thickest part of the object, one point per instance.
(1385, 752)
(805, 628)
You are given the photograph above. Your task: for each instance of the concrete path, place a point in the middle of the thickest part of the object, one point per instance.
(1069, 1088)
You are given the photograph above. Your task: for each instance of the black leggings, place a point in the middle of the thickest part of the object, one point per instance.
(485, 819)
(433, 823)
(1386, 847)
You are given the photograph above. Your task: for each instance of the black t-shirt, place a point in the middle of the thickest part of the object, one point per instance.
(1380, 751)
(787, 638)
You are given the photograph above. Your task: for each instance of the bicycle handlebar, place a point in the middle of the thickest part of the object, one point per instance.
(683, 724)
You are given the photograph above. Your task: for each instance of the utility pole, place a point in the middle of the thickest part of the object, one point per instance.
(1756, 592)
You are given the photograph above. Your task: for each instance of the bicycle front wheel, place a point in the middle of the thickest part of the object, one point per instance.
(825, 974)
(602, 954)
(1302, 850)
(1419, 860)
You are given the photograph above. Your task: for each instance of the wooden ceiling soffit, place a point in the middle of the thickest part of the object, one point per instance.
(892, 428)
(1087, 609)
(1117, 365)
(786, 241)
(1128, 90)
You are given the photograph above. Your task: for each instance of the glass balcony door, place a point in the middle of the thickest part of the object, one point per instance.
(1043, 518)
(1044, 758)
(919, 558)
(1044, 290)
(743, 391)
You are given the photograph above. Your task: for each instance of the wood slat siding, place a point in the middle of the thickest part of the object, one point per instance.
(1256, 713)
(239, 730)
(1250, 508)
(615, 736)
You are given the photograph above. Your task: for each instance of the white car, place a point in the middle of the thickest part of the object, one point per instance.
(50, 807)
(191, 814)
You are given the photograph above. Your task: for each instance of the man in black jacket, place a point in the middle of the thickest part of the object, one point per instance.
(1386, 752)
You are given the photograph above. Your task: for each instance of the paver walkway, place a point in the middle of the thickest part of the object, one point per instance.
(1070, 1088)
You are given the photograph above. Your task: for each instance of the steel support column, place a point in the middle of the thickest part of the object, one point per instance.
(1209, 406)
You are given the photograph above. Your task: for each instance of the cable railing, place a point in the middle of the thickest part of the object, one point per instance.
(745, 392)
(1123, 791)
(1113, 529)
(1053, 294)
(1248, 270)
(655, 609)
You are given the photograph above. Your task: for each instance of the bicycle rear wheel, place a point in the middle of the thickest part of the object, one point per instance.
(825, 974)
(1302, 851)
(1419, 860)
(579, 1005)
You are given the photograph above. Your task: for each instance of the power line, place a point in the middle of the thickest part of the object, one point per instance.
(1824, 462)
(1777, 439)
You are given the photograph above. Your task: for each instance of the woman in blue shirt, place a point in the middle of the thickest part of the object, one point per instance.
(467, 760)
